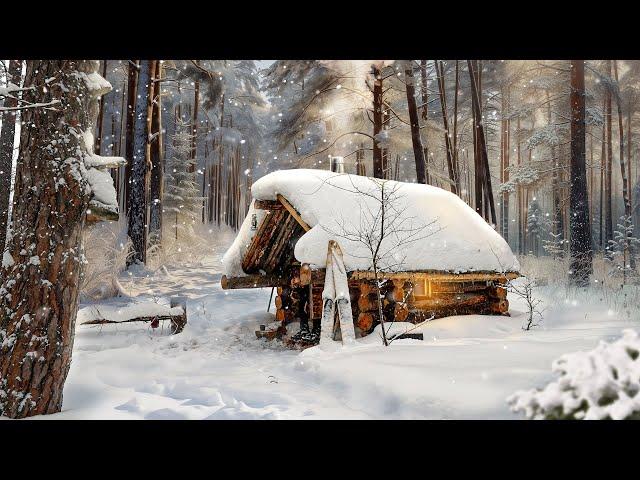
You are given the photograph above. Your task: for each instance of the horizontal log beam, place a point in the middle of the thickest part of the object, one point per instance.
(252, 281)
(268, 205)
(438, 276)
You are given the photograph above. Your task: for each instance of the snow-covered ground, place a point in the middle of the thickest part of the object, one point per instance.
(218, 369)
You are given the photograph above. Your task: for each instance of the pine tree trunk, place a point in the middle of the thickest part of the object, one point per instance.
(100, 127)
(623, 171)
(157, 160)
(608, 213)
(489, 211)
(7, 136)
(140, 167)
(453, 175)
(41, 278)
(418, 150)
(579, 225)
(504, 164)
(132, 82)
(424, 94)
(378, 166)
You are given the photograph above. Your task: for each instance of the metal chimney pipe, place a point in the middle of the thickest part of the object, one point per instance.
(337, 164)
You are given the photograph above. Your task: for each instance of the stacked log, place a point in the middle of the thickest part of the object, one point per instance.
(287, 304)
(498, 297)
(459, 298)
(394, 306)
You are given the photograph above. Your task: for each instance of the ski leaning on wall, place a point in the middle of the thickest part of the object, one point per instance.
(336, 294)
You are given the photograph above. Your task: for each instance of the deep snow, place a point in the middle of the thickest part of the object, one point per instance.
(466, 367)
(437, 230)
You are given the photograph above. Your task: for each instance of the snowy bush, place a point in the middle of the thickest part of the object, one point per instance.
(599, 384)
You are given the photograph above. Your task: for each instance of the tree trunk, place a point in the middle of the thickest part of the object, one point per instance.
(43, 260)
(623, 171)
(418, 151)
(504, 167)
(482, 147)
(378, 167)
(453, 175)
(424, 94)
(157, 160)
(579, 225)
(100, 127)
(140, 168)
(7, 136)
(132, 81)
(608, 213)
(196, 105)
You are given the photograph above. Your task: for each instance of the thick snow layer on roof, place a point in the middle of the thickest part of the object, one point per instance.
(436, 230)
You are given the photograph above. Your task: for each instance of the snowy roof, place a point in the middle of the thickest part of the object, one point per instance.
(436, 229)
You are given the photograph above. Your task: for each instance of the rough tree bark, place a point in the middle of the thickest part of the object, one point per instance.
(6, 149)
(579, 225)
(44, 257)
(489, 215)
(157, 160)
(100, 127)
(608, 212)
(418, 150)
(505, 147)
(132, 81)
(378, 167)
(424, 113)
(140, 168)
(453, 174)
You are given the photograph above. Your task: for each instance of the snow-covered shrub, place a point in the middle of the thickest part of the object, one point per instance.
(106, 249)
(205, 243)
(622, 250)
(182, 202)
(599, 384)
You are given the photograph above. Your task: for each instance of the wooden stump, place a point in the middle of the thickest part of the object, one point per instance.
(178, 323)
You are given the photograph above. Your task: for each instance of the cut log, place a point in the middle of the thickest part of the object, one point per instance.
(285, 315)
(498, 292)
(279, 302)
(252, 281)
(501, 306)
(365, 321)
(396, 312)
(368, 302)
(178, 322)
(395, 294)
(305, 274)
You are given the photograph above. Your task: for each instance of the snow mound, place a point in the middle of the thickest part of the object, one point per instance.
(452, 236)
(599, 384)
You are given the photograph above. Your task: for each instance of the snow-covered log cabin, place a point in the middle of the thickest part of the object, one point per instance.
(436, 255)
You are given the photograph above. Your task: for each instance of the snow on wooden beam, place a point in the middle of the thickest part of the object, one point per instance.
(294, 213)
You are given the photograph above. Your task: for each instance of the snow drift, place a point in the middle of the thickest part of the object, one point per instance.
(454, 238)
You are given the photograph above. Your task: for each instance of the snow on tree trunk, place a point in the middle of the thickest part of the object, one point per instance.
(6, 149)
(43, 260)
(139, 187)
(580, 228)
